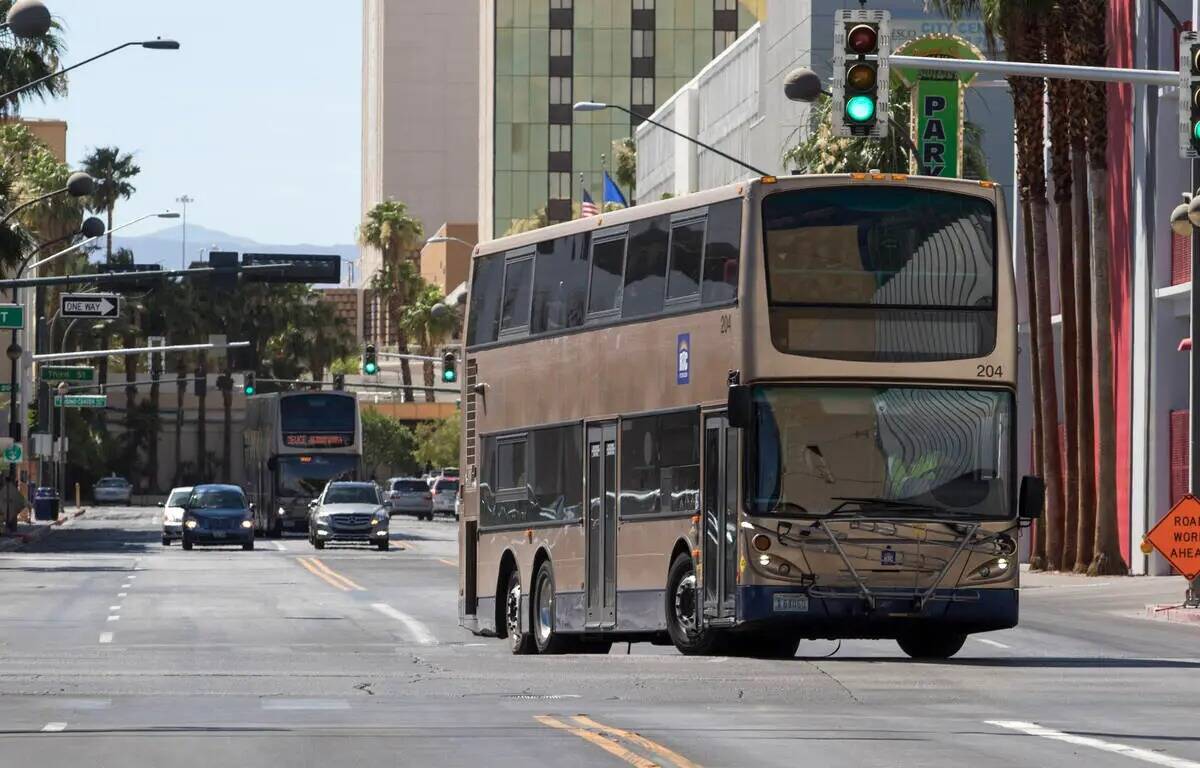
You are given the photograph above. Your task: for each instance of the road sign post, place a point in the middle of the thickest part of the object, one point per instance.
(90, 306)
(12, 317)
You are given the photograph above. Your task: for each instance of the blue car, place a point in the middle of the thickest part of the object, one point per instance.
(217, 515)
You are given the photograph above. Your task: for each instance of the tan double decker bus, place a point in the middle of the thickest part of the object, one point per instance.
(778, 410)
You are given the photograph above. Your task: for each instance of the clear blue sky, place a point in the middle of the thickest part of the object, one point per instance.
(257, 117)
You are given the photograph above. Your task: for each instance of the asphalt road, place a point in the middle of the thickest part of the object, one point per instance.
(116, 651)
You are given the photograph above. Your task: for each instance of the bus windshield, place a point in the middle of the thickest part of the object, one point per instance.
(895, 451)
(315, 413)
(306, 476)
(881, 273)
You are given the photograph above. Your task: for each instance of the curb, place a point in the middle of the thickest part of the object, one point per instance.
(1173, 613)
(24, 539)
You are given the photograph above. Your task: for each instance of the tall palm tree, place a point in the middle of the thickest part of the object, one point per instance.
(23, 61)
(112, 171)
(398, 235)
(1107, 558)
(429, 328)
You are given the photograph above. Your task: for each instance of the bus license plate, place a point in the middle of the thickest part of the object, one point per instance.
(790, 603)
(218, 534)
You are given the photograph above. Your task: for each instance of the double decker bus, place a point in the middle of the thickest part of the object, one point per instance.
(296, 442)
(777, 410)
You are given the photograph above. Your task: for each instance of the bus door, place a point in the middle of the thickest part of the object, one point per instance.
(601, 553)
(718, 572)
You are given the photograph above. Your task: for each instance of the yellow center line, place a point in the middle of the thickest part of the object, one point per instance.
(608, 745)
(337, 576)
(313, 570)
(638, 739)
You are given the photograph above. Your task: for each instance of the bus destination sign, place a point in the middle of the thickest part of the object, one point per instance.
(305, 440)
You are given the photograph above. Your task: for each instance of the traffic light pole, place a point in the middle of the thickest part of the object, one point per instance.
(89, 353)
(1162, 77)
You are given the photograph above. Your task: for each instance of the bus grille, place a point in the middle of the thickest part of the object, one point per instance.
(472, 376)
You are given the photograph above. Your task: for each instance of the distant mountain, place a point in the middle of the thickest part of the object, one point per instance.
(164, 247)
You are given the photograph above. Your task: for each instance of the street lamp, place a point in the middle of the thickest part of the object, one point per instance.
(596, 106)
(448, 239)
(79, 184)
(27, 19)
(90, 240)
(154, 45)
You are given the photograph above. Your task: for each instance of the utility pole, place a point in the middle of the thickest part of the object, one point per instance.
(184, 200)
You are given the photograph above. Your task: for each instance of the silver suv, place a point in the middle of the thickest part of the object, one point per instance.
(410, 495)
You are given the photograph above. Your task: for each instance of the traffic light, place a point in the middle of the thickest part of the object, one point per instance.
(339, 381)
(1189, 95)
(861, 44)
(249, 386)
(449, 370)
(370, 363)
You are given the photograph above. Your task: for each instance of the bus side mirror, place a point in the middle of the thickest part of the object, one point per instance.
(273, 463)
(740, 406)
(1032, 498)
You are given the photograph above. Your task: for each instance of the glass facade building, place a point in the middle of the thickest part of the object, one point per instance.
(549, 54)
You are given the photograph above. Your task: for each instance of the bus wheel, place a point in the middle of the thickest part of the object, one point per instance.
(519, 641)
(547, 640)
(932, 644)
(683, 612)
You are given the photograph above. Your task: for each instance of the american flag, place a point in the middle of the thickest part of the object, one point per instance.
(588, 207)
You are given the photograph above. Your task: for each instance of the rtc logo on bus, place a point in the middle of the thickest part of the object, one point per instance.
(301, 440)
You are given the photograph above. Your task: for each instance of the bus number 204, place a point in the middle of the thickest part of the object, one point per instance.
(989, 371)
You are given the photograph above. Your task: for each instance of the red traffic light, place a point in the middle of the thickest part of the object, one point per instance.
(862, 39)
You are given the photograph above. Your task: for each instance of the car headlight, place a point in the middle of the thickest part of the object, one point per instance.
(190, 524)
(380, 518)
(247, 523)
(282, 511)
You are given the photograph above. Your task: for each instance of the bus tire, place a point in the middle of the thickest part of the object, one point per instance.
(520, 641)
(682, 612)
(932, 644)
(543, 609)
(318, 544)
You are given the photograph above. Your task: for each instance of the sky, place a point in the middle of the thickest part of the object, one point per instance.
(256, 117)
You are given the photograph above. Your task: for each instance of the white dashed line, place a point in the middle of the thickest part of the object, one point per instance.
(1145, 755)
(54, 727)
(114, 618)
(420, 633)
(300, 704)
(122, 594)
(106, 638)
(114, 607)
(993, 643)
(279, 546)
(126, 586)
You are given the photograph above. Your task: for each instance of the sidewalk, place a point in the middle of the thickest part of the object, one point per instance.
(28, 532)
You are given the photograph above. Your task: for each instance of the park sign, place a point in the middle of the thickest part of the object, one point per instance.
(12, 317)
(937, 104)
(1177, 536)
(53, 373)
(81, 401)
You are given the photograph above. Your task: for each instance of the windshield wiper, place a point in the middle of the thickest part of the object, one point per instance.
(873, 505)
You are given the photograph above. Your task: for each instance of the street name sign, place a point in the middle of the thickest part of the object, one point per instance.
(6, 389)
(82, 306)
(12, 316)
(1177, 536)
(81, 401)
(51, 373)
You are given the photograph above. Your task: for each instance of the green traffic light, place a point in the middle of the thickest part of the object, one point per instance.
(860, 109)
(249, 390)
(1196, 130)
(370, 369)
(449, 376)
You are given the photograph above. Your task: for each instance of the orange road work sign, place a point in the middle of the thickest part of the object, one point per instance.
(1177, 536)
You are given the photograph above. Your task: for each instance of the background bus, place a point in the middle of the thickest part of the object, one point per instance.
(296, 442)
(859, 480)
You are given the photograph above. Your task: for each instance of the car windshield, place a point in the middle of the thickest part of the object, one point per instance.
(443, 486)
(410, 486)
(307, 476)
(112, 482)
(902, 450)
(178, 498)
(351, 494)
(216, 498)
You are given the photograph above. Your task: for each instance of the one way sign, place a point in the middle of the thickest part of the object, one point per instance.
(105, 306)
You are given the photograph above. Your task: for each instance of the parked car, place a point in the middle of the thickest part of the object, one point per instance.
(113, 490)
(348, 511)
(172, 522)
(411, 495)
(218, 514)
(445, 492)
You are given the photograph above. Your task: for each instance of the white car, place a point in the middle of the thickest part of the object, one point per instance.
(172, 521)
(112, 490)
(445, 492)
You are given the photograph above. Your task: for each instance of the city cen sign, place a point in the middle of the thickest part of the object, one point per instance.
(1177, 536)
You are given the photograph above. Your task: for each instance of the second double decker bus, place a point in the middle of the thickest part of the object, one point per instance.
(778, 410)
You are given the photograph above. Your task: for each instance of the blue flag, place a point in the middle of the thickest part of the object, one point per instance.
(612, 193)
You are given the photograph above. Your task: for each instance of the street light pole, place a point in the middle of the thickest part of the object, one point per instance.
(156, 45)
(183, 201)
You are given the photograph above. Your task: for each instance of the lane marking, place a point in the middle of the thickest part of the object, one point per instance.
(132, 576)
(279, 546)
(126, 586)
(114, 618)
(638, 739)
(421, 634)
(305, 704)
(54, 727)
(106, 637)
(335, 575)
(609, 746)
(114, 607)
(1145, 755)
(313, 570)
(993, 643)
(122, 594)
(450, 563)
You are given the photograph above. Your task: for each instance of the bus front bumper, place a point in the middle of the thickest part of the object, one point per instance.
(847, 614)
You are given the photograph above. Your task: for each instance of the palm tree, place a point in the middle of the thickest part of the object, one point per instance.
(112, 171)
(397, 234)
(23, 61)
(429, 328)
(1107, 559)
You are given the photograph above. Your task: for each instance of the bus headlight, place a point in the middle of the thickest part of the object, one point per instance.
(992, 569)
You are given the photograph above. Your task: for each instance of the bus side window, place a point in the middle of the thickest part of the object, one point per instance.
(646, 268)
(721, 253)
(608, 268)
(486, 285)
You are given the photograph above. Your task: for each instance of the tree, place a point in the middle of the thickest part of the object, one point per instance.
(23, 61)
(112, 171)
(438, 442)
(397, 235)
(625, 161)
(387, 444)
(427, 327)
